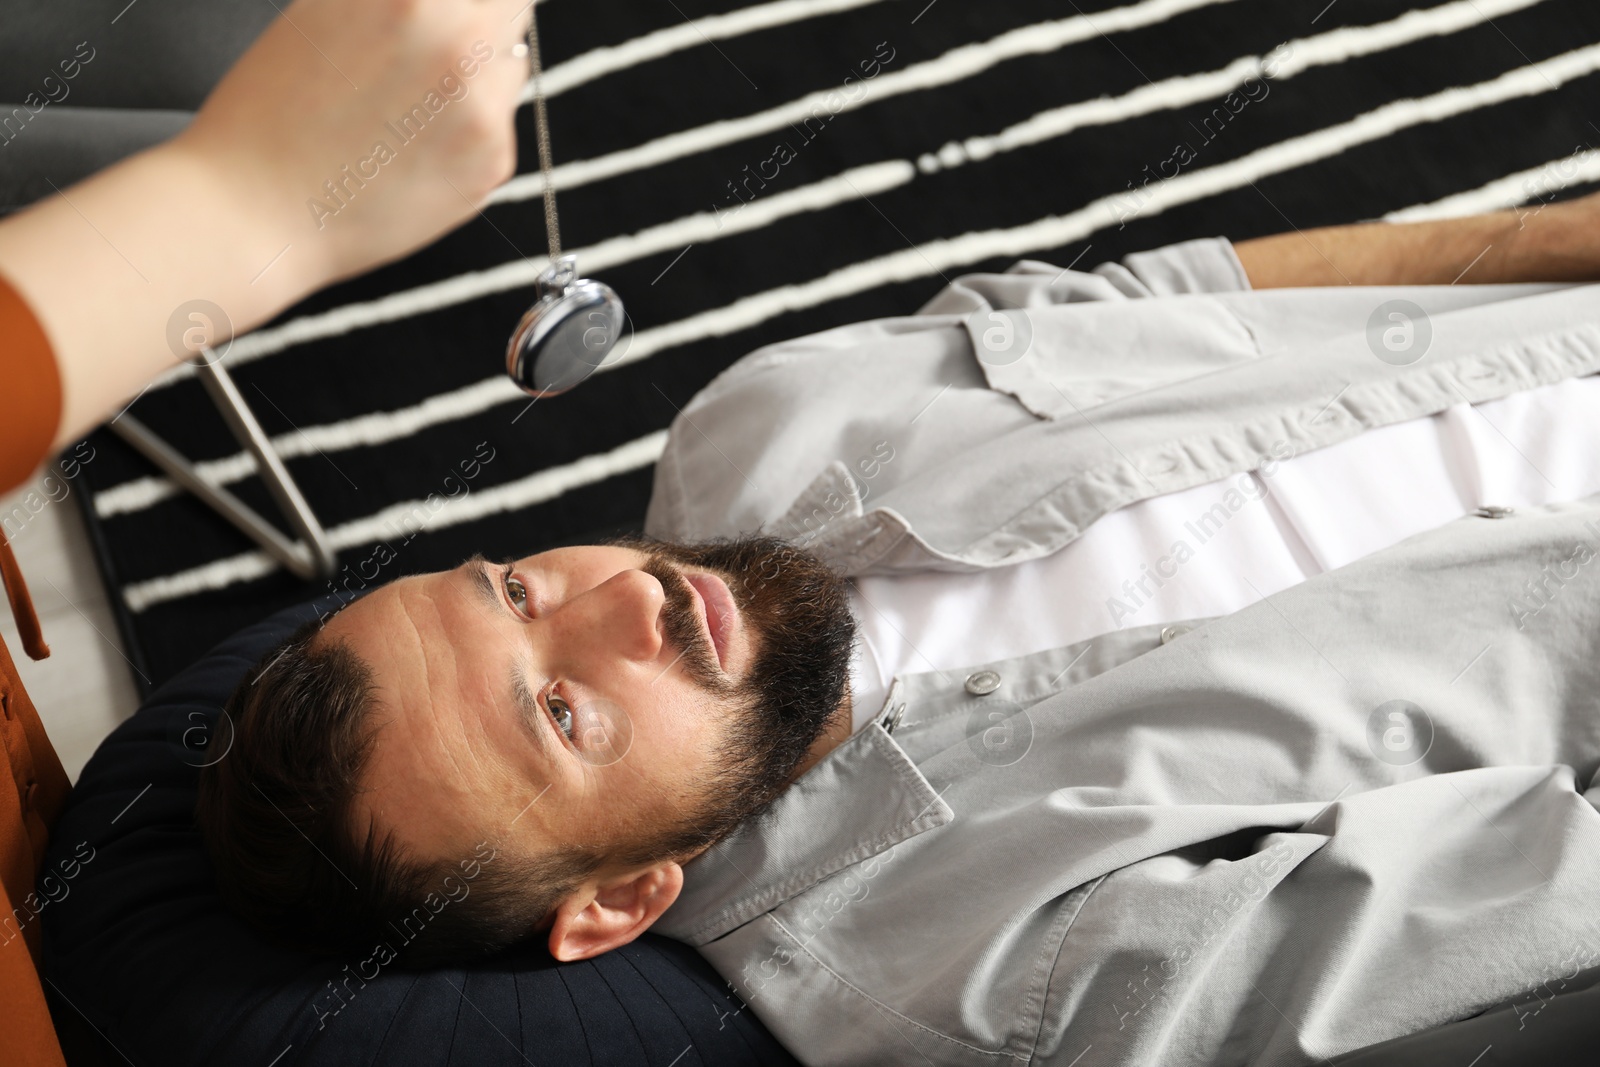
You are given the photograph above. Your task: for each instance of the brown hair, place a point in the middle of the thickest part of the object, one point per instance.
(301, 733)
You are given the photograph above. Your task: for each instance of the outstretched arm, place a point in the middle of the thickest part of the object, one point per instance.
(228, 211)
(1553, 243)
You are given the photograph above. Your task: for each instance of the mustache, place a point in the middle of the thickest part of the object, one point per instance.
(681, 621)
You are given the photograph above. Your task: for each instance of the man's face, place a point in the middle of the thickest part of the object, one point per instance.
(580, 697)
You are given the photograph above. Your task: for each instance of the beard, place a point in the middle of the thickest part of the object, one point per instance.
(797, 612)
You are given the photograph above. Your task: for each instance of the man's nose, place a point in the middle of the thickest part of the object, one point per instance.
(622, 615)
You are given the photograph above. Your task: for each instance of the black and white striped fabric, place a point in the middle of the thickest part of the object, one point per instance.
(744, 174)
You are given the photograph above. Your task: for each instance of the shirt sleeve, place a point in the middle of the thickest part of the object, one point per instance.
(30, 390)
(1208, 265)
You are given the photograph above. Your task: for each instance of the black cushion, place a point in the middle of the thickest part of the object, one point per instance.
(138, 943)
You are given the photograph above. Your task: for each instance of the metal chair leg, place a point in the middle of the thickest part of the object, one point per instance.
(309, 558)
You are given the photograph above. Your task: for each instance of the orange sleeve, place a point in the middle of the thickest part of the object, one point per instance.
(33, 789)
(30, 390)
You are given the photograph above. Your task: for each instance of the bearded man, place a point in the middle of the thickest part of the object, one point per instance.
(1192, 660)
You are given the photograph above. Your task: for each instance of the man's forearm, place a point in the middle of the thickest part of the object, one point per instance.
(1553, 243)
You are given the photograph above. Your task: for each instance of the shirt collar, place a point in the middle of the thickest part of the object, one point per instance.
(862, 799)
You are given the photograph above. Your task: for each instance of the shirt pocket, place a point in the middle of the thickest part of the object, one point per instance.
(1062, 360)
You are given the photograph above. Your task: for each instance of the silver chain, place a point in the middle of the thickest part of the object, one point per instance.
(542, 123)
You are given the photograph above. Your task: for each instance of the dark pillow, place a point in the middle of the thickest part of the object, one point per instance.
(138, 944)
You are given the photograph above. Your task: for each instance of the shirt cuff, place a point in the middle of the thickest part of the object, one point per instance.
(1208, 265)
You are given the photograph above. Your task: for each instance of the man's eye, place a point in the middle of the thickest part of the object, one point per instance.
(561, 712)
(517, 593)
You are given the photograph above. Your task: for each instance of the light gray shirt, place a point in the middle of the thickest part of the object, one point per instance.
(1353, 810)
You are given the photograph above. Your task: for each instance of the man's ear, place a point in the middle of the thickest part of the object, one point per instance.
(600, 918)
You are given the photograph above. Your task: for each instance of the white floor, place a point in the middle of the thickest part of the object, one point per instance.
(87, 685)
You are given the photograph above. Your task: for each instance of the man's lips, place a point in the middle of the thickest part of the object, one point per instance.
(719, 611)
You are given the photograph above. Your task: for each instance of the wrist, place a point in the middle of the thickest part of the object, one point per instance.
(1555, 242)
(271, 258)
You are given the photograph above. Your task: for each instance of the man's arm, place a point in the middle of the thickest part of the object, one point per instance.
(1553, 243)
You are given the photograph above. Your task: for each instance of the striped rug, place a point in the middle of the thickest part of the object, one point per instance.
(743, 174)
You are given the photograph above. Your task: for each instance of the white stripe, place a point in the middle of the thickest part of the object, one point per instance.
(596, 64)
(934, 256)
(380, 427)
(704, 226)
(1335, 46)
(1331, 47)
(959, 63)
(366, 430)
(955, 65)
(390, 524)
(1513, 190)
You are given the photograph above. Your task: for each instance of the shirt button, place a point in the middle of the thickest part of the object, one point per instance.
(1170, 634)
(892, 720)
(1495, 511)
(982, 683)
